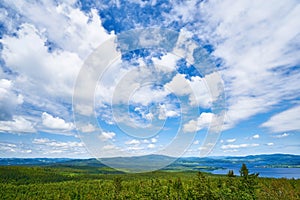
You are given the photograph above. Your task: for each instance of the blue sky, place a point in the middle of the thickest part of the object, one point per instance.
(155, 100)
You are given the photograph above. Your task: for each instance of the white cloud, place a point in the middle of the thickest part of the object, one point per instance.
(133, 142)
(168, 110)
(196, 142)
(151, 146)
(8, 147)
(81, 33)
(53, 148)
(167, 62)
(44, 77)
(40, 140)
(109, 147)
(255, 136)
(231, 140)
(16, 149)
(179, 85)
(19, 124)
(237, 146)
(104, 136)
(270, 144)
(153, 140)
(255, 40)
(283, 135)
(88, 128)
(196, 89)
(202, 122)
(145, 141)
(55, 122)
(287, 120)
(135, 148)
(54, 143)
(41, 72)
(9, 100)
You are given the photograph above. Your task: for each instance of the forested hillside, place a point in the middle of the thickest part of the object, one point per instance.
(61, 182)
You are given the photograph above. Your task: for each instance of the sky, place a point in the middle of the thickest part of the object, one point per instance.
(83, 79)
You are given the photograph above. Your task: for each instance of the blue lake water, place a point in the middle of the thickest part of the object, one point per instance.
(266, 172)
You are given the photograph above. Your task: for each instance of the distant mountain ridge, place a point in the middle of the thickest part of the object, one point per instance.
(184, 163)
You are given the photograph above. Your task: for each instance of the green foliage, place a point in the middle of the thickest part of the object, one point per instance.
(230, 173)
(85, 183)
(244, 170)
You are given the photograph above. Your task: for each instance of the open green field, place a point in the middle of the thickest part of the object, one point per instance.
(82, 182)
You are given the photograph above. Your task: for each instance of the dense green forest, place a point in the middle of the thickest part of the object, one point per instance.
(70, 182)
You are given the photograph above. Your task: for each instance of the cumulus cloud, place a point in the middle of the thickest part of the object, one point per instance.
(255, 41)
(196, 142)
(283, 135)
(151, 146)
(43, 57)
(19, 124)
(196, 89)
(88, 128)
(153, 140)
(231, 140)
(256, 136)
(202, 122)
(40, 72)
(168, 110)
(7, 149)
(287, 120)
(104, 136)
(55, 148)
(55, 122)
(167, 62)
(54, 143)
(237, 146)
(9, 100)
(133, 142)
(81, 33)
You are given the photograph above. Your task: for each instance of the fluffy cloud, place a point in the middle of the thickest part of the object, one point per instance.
(287, 120)
(104, 136)
(202, 122)
(231, 140)
(237, 146)
(88, 128)
(55, 148)
(9, 100)
(153, 140)
(255, 136)
(8, 149)
(44, 58)
(55, 123)
(168, 110)
(54, 143)
(40, 72)
(81, 33)
(133, 142)
(19, 124)
(255, 40)
(196, 142)
(167, 63)
(196, 89)
(179, 85)
(283, 135)
(151, 146)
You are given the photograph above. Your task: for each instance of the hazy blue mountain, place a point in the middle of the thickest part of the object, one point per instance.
(185, 163)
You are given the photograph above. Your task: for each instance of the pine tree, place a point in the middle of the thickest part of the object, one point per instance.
(230, 173)
(244, 171)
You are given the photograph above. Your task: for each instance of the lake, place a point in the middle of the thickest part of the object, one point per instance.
(265, 172)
